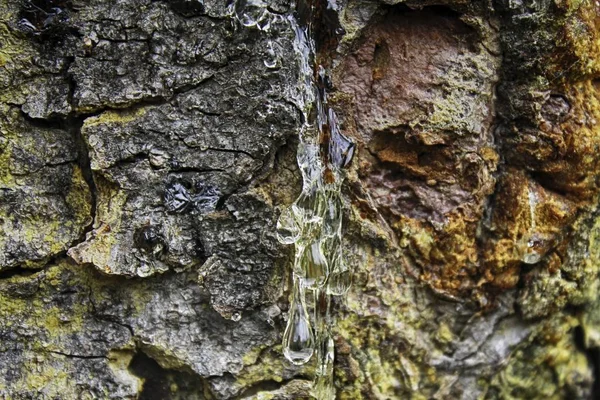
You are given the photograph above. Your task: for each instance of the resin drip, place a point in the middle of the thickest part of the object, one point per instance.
(313, 223)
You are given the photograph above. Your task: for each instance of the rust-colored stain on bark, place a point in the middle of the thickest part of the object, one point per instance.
(427, 155)
(419, 87)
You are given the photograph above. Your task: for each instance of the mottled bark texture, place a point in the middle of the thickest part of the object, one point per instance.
(146, 150)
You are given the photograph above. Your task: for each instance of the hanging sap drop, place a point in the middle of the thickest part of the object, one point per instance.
(312, 265)
(326, 354)
(298, 338)
(314, 221)
(323, 388)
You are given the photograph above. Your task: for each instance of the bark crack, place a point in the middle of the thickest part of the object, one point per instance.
(80, 356)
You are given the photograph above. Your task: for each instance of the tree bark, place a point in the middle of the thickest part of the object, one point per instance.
(147, 149)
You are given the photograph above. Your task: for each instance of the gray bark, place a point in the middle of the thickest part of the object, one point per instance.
(148, 147)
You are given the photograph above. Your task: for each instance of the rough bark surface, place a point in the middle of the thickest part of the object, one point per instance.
(148, 147)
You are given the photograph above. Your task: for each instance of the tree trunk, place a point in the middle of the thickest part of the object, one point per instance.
(147, 149)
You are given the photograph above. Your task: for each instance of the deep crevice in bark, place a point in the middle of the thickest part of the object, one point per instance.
(86, 170)
(17, 271)
(158, 381)
(20, 270)
(594, 356)
(268, 386)
(80, 356)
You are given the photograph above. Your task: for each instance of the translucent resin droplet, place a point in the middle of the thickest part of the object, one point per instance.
(264, 23)
(531, 257)
(272, 59)
(314, 223)
(309, 162)
(332, 247)
(325, 363)
(288, 229)
(177, 197)
(339, 283)
(324, 389)
(308, 210)
(298, 338)
(250, 12)
(309, 206)
(535, 249)
(332, 219)
(311, 265)
(341, 149)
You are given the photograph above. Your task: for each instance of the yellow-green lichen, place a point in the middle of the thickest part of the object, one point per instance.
(389, 371)
(548, 365)
(116, 117)
(45, 229)
(119, 361)
(97, 250)
(268, 365)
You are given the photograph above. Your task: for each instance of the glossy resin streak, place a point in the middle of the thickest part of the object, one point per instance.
(313, 223)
